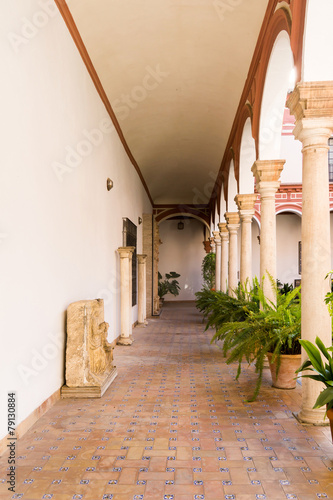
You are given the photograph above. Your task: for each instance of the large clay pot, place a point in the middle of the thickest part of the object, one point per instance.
(330, 418)
(286, 376)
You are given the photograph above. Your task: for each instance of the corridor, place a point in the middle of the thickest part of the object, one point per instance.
(174, 425)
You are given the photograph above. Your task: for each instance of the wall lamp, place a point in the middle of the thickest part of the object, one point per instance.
(180, 225)
(109, 184)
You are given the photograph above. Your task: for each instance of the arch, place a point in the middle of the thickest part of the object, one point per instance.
(290, 209)
(232, 189)
(277, 85)
(280, 22)
(247, 156)
(189, 212)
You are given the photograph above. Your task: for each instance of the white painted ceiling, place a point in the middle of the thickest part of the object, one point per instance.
(177, 124)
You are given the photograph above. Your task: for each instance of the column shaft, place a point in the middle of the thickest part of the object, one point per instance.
(232, 219)
(245, 203)
(142, 289)
(125, 296)
(312, 105)
(224, 233)
(217, 240)
(267, 175)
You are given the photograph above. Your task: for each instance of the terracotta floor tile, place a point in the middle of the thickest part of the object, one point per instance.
(175, 422)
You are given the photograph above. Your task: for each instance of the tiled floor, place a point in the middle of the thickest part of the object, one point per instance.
(175, 425)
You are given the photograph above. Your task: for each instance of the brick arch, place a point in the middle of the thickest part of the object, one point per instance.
(279, 22)
(187, 212)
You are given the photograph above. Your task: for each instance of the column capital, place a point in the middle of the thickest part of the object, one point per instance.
(141, 258)
(232, 219)
(125, 252)
(217, 238)
(312, 105)
(212, 244)
(224, 233)
(246, 202)
(267, 175)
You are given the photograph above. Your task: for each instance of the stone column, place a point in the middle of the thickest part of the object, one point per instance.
(212, 244)
(224, 234)
(125, 254)
(217, 240)
(245, 204)
(156, 247)
(312, 105)
(147, 249)
(267, 174)
(142, 259)
(232, 219)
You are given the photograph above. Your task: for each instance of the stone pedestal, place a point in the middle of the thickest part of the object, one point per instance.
(224, 234)
(142, 259)
(232, 219)
(89, 357)
(312, 105)
(245, 204)
(217, 240)
(267, 174)
(125, 254)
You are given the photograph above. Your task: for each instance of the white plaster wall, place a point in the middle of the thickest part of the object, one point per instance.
(59, 232)
(182, 252)
(318, 41)
(291, 151)
(288, 234)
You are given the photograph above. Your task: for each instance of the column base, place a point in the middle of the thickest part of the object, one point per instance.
(125, 340)
(87, 392)
(312, 417)
(142, 325)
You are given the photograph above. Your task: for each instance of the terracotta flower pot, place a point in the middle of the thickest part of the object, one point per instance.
(286, 376)
(330, 418)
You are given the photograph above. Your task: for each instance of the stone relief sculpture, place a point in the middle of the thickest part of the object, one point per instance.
(89, 355)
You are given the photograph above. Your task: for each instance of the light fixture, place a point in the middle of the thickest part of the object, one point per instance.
(180, 225)
(139, 220)
(109, 184)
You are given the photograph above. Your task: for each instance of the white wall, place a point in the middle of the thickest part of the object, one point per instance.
(291, 151)
(318, 41)
(255, 250)
(288, 234)
(60, 227)
(182, 251)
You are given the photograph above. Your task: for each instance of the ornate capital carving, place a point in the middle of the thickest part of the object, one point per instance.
(312, 105)
(232, 219)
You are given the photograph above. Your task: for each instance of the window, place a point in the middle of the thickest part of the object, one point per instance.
(129, 240)
(330, 160)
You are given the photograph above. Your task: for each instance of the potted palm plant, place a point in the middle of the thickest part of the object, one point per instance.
(273, 330)
(322, 373)
(168, 285)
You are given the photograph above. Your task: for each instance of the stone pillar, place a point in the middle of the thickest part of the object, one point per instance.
(156, 247)
(147, 248)
(125, 254)
(224, 234)
(217, 240)
(245, 204)
(312, 105)
(212, 244)
(267, 174)
(232, 219)
(142, 259)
